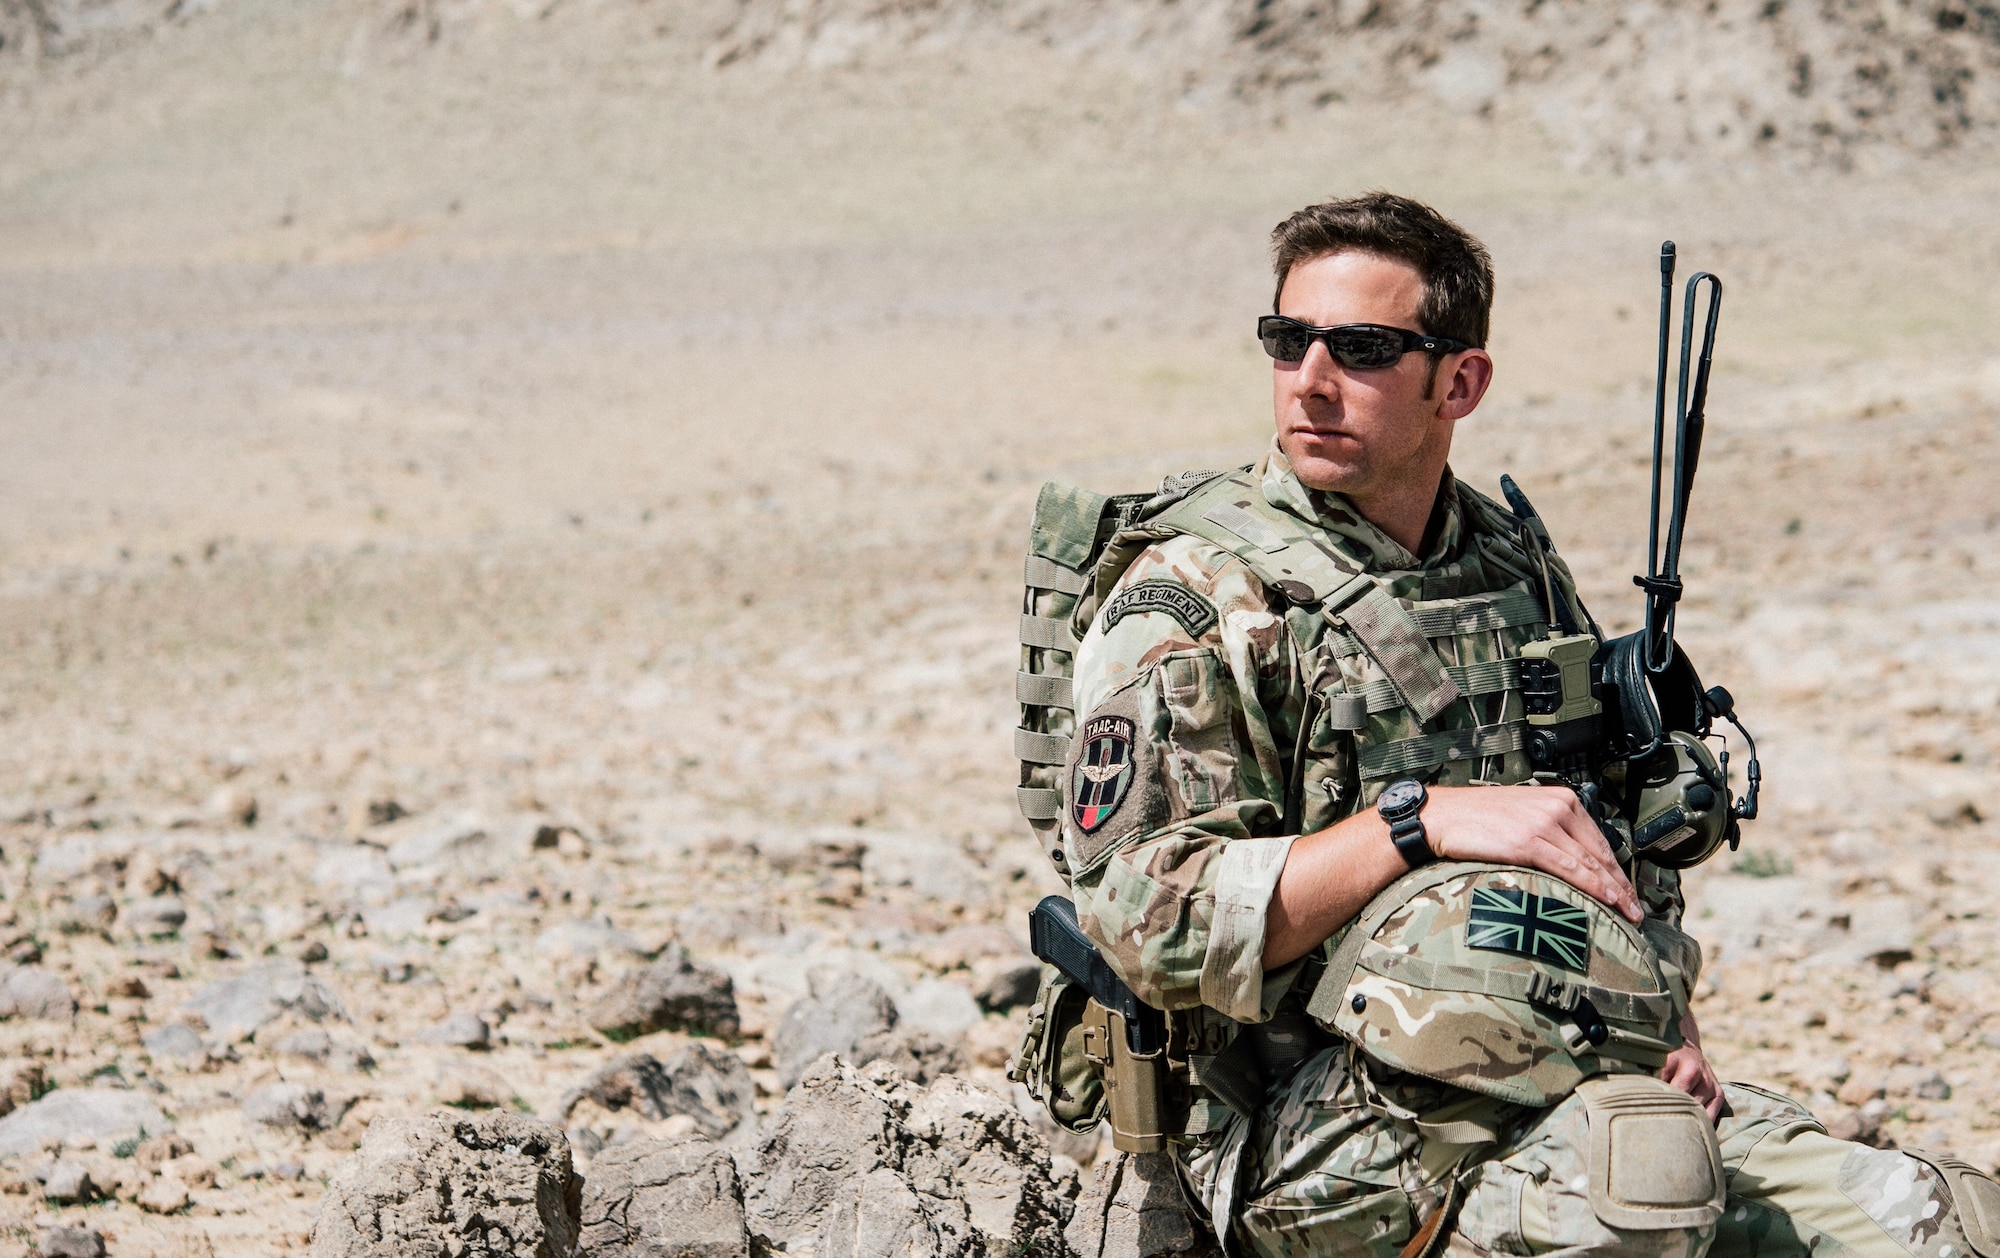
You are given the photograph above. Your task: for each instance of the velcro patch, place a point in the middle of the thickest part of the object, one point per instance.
(1103, 773)
(1196, 614)
(1539, 927)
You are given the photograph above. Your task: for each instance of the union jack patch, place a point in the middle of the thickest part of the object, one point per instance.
(1539, 927)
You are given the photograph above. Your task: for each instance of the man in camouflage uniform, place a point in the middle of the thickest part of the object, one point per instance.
(1211, 882)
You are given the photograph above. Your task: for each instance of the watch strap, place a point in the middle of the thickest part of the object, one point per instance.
(1412, 842)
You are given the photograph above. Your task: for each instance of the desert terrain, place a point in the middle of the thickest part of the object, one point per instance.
(499, 494)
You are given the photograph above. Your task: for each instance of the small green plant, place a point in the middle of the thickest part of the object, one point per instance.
(129, 1145)
(1762, 864)
(41, 1088)
(524, 1107)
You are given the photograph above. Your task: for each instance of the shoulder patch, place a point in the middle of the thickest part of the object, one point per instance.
(1194, 613)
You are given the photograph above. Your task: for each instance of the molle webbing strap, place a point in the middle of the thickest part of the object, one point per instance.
(1040, 748)
(1485, 678)
(1047, 633)
(1046, 574)
(1398, 645)
(1655, 1009)
(1408, 756)
(1039, 803)
(1044, 690)
(1510, 609)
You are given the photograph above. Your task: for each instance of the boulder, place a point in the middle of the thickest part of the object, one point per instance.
(234, 1008)
(20, 1083)
(156, 916)
(1133, 1208)
(842, 1009)
(176, 1041)
(460, 1030)
(463, 1085)
(166, 1194)
(671, 994)
(664, 1199)
(493, 1185)
(71, 1242)
(29, 991)
(67, 1183)
(293, 1105)
(100, 1113)
(868, 1163)
(709, 1085)
(1003, 983)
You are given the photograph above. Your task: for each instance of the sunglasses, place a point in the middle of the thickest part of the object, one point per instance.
(1357, 346)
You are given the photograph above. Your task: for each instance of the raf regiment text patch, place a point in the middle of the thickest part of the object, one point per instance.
(1195, 613)
(1103, 773)
(1536, 926)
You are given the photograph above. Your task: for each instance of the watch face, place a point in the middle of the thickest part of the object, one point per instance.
(1400, 796)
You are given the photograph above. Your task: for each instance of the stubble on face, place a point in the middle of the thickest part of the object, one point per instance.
(1361, 433)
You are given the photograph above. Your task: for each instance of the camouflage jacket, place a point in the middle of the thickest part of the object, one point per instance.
(1190, 658)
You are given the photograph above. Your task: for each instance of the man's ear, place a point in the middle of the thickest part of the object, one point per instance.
(1470, 377)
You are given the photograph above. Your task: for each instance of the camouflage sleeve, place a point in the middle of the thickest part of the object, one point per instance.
(1174, 787)
(1679, 952)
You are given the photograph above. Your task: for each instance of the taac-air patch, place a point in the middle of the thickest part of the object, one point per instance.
(1195, 613)
(1536, 926)
(1103, 773)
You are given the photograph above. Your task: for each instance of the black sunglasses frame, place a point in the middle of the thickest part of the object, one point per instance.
(1411, 341)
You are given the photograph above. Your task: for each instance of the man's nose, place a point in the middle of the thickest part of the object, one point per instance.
(1318, 372)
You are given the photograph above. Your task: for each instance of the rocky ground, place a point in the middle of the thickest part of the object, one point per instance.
(494, 628)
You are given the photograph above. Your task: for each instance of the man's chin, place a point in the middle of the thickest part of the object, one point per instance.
(1329, 475)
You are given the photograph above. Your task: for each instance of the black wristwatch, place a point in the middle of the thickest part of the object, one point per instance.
(1401, 805)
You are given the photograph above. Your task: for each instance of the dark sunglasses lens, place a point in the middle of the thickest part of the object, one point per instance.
(1366, 348)
(1285, 342)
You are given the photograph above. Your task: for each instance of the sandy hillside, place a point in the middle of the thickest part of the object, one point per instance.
(608, 430)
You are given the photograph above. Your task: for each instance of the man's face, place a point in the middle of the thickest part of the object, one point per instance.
(1364, 433)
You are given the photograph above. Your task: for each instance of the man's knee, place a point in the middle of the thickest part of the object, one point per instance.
(1796, 1190)
(1627, 1164)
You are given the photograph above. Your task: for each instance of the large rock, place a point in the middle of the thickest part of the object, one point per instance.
(103, 1113)
(293, 1106)
(1133, 1208)
(868, 1165)
(709, 1085)
(671, 994)
(71, 1242)
(842, 1009)
(495, 1185)
(234, 1008)
(853, 1017)
(664, 1199)
(29, 991)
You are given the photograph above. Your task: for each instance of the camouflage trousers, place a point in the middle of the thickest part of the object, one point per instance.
(1321, 1171)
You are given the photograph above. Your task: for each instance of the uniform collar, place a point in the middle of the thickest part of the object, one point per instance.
(1334, 514)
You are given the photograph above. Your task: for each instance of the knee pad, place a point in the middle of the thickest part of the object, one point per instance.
(1654, 1162)
(1975, 1198)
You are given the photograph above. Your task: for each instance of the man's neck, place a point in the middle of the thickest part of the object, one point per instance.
(1407, 516)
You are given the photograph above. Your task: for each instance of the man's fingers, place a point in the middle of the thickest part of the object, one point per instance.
(1586, 864)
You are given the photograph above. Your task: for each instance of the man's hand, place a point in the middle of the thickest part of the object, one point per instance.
(1330, 876)
(1688, 1069)
(1540, 827)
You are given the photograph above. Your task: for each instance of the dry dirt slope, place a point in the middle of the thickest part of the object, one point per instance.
(535, 429)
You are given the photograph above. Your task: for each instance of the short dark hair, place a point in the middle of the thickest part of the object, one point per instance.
(1456, 269)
